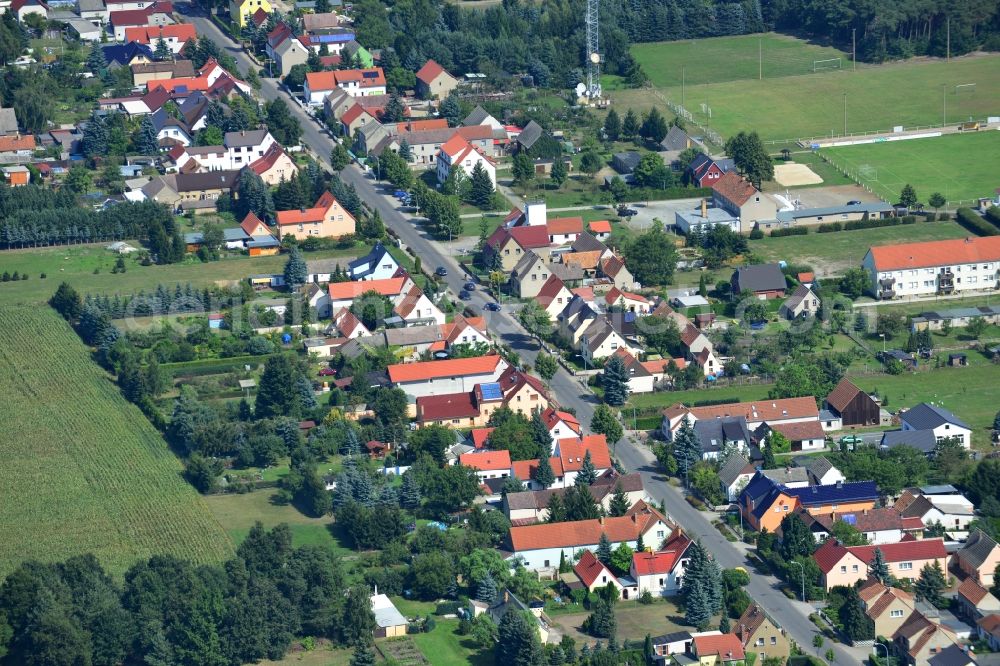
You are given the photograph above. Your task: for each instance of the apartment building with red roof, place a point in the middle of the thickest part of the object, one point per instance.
(846, 565)
(928, 268)
(542, 546)
(326, 219)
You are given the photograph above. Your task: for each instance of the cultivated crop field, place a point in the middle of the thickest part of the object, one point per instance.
(792, 101)
(84, 471)
(930, 165)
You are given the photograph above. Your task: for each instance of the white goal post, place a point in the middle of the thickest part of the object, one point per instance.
(829, 63)
(965, 88)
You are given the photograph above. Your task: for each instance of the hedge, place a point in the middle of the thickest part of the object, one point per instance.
(993, 216)
(972, 222)
(213, 366)
(790, 231)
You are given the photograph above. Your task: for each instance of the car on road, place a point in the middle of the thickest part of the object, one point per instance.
(492, 307)
(627, 212)
(470, 286)
(400, 194)
(441, 271)
(464, 295)
(853, 202)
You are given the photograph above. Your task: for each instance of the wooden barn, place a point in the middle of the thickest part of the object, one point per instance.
(852, 405)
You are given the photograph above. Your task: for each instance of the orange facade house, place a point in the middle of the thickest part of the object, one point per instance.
(765, 502)
(327, 219)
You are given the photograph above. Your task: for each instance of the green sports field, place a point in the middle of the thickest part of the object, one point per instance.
(83, 470)
(793, 102)
(720, 59)
(930, 165)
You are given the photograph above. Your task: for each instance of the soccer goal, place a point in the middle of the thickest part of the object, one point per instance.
(823, 65)
(965, 88)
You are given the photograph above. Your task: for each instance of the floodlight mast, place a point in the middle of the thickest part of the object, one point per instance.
(593, 50)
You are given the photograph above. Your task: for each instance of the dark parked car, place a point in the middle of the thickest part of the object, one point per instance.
(627, 212)
(470, 286)
(441, 271)
(464, 295)
(493, 307)
(853, 202)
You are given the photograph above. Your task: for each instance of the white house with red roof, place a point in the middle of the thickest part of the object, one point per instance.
(554, 296)
(348, 325)
(542, 546)
(933, 267)
(433, 81)
(239, 149)
(415, 309)
(660, 572)
(561, 425)
(356, 82)
(454, 375)
(464, 330)
(567, 461)
(564, 230)
(600, 229)
(211, 77)
(780, 410)
(155, 14)
(718, 649)
(175, 36)
(488, 464)
(627, 301)
(594, 574)
(457, 152)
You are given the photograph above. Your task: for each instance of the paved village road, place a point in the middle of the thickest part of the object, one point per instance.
(568, 390)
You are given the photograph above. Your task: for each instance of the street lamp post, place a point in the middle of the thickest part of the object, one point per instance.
(880, 645)
(802, 570)
(882, 335)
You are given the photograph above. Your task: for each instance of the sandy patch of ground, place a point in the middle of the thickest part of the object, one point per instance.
(792, 175)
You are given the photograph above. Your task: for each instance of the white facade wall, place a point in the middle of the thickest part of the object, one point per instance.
(924, 281)
(946, 430)
(444, 385)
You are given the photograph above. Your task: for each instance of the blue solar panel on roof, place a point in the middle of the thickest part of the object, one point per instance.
(850, 519)
(370, 75)
(491, 391)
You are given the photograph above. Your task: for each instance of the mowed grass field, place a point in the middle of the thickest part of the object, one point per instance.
(77, 264)
(84, 471)
(833, 253)
(930, 165)
(719, 59)
(792, 102)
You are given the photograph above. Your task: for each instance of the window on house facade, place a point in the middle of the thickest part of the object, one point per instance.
(905, 566)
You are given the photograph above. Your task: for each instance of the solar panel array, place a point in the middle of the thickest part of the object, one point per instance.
(491, 391)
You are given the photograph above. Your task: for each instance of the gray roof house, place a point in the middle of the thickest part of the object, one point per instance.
(625, 163)
(763, 280)
(922, 440)
(247, 138)
(8, 121)
(716, 433)
(926, 416)
(529, 136)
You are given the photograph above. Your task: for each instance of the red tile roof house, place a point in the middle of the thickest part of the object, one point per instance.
(593, 574)
(447, 376)
(718, 650)
(511, 244)
(542, 546)
(433, 81)
(567, 461)
(783, 410)
(975, 601)
(488, 464)
(846, 565)
(660, 572)
(878, 526)
(739, 198)
(175, 36)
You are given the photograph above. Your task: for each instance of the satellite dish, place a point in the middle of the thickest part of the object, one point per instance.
(595, 58)
(581, 88)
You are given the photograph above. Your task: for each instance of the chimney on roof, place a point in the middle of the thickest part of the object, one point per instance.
(840, 484)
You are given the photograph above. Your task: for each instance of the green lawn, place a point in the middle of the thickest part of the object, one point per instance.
(930, 165)
(833, 253)
(445, 647)
(76, 264)
(801, 104)
(84, 471)
(731, 59)
(635, 620)
(238, 513)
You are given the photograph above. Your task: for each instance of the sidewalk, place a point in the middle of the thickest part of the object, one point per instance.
(924, 299)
